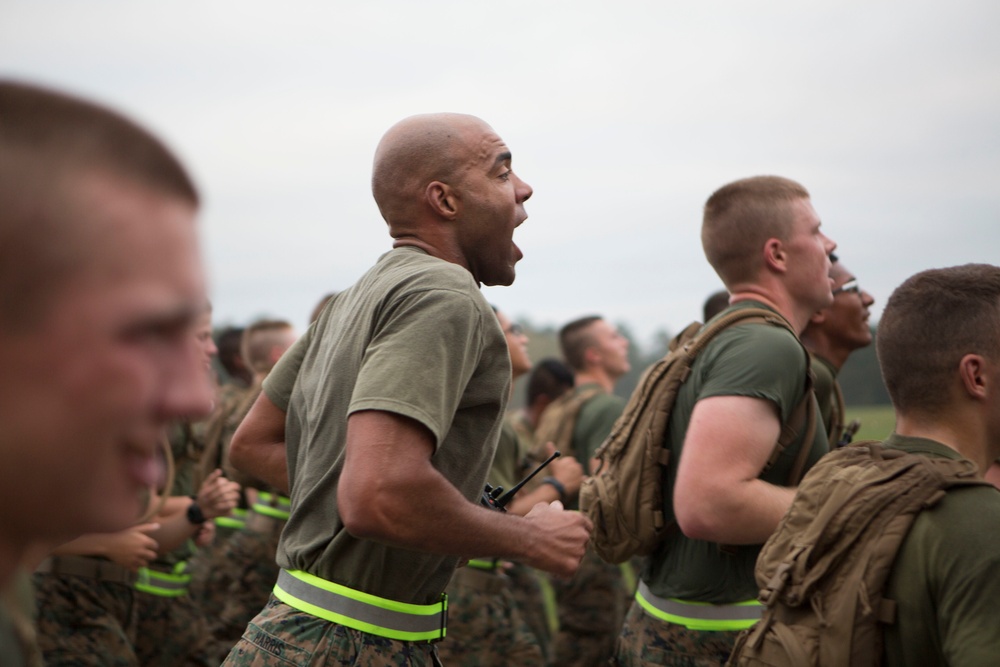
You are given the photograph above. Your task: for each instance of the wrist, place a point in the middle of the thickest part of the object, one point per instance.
(195, 515)
(557, 485)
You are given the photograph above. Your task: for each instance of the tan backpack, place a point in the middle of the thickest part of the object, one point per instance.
(624, 498)
(558, 422)
(823, 572)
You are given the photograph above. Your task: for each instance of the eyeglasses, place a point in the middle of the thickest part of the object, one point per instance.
(850, 286)
(514, 329)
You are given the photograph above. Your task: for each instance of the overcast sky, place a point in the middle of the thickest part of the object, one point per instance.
(624, 116)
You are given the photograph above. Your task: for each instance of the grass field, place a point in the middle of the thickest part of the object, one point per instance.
(877, 421)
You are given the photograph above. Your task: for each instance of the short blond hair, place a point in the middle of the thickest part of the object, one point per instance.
(740, 217)
(49, 141)
(259, 339)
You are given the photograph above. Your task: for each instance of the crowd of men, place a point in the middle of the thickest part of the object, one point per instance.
(321, 502)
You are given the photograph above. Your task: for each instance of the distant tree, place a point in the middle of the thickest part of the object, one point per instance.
(861, 379)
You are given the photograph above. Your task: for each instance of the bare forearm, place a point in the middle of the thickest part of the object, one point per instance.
(746, 513)
(263, 462)
(441, 520)
(175, 529)
(522, 504)
(91, 544)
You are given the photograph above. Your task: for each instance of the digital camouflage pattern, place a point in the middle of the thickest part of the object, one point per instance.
(591, 612)
(172, 632)
(645, 641)
(485, 627)
(536, 600)
(249, 559)
(280, 636)
(84, 622)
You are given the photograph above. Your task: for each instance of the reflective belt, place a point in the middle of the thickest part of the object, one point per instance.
(273, 505)
(362, 611)
(236, 519)
(167, 585)
(483, 563)
(699, 615)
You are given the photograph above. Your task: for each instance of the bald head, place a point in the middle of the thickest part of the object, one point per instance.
(416, 151)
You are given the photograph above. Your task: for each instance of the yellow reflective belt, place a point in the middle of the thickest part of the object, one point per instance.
(235, 521)
(273, 505)
(699, 615)
(167, 585)
(483, 563)
(362, 611)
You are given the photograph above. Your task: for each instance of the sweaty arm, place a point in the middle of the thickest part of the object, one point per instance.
(390, 492)
(258, 446)
(717, 495)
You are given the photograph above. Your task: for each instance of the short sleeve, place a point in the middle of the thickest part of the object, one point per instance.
(425, 350)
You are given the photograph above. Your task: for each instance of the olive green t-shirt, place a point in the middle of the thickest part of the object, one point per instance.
(414, 336)
(749, 359)
(946, 577)
(594, 422)
(825, 386)
(506, 468)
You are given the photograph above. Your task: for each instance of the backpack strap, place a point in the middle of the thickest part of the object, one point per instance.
(803, 413)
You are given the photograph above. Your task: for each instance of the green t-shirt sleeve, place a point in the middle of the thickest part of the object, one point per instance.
(594, 423)
(757, 361)
(946, 576)
(504, 471)
(279, 382)
(419, 363)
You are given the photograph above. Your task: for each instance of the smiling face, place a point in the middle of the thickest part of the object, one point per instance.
(491, 198)
(845, 321)
(88, 389)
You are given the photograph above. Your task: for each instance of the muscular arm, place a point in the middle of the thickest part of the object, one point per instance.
(390, 492)
(717, 496)
(258, 446)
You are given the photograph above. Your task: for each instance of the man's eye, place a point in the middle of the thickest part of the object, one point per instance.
(506, 175)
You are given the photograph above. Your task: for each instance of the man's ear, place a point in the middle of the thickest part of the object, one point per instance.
(775, 257)
(443, 199)
(972, 372)
(818, 317)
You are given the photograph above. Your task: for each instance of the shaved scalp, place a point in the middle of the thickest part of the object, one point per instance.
(49, 143)
(739, 219)
(414, 152)
(574, 340)
(930, 322)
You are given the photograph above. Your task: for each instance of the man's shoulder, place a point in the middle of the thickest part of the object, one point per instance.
(414, 268)
(756, 343)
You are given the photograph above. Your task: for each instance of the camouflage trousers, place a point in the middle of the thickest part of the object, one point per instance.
(85, 622)
(591, 612)
(173, 632)
(210, 578)
(249, 560)
(485, 626)
(280, 636)
(536, 600)
(646, 640)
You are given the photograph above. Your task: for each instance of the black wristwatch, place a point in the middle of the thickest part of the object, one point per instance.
(195, 515)
(557, 485)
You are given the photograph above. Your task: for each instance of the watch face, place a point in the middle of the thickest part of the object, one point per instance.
(194, 514)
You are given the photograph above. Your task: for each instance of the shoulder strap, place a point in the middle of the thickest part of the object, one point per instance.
(803, 413)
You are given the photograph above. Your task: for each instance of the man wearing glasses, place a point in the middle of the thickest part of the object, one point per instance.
(831, 335)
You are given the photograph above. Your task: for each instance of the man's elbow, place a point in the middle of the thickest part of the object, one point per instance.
(238, 452)
(697, 523)
(363, 515)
